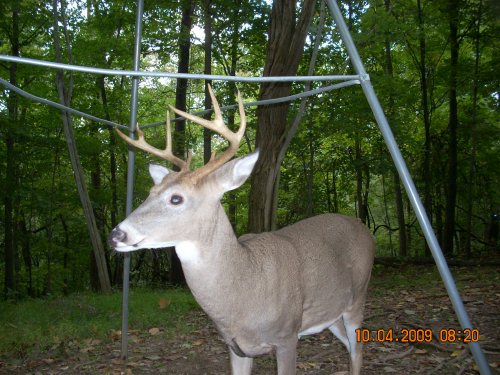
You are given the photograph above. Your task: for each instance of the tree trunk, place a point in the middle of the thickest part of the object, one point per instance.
(400, 210)
(11, 165)
(96, 186)
(398, 198)
(207, 134)
(26, 252)
(309, 174)
(112, 156)
(286, 43)
(451, 191)
(472, 158)
(176, 274)
(100, 83)
(358, 166)
(64, 92)
(427, 175)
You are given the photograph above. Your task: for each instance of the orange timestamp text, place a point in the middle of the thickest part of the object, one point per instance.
(411, 335)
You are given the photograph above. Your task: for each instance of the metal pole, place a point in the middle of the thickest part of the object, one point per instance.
(130, 171)
(138, 73)
(409, 185)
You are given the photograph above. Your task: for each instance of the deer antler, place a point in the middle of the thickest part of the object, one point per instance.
(163, 154)
(217, 125)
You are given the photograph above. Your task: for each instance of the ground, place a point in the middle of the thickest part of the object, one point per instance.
(403, 298)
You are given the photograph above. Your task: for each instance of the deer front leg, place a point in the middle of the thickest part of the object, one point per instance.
(240, 365)
(286, 356)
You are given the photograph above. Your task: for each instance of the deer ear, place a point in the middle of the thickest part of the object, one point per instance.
(157, 173)
(234, 173)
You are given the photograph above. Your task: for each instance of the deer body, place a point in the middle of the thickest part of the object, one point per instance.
(262, 291)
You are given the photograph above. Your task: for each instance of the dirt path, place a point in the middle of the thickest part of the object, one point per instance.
(420, 304)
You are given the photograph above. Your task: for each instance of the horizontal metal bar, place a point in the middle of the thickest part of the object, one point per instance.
(59, 106)
(132, 73)
(267, 101)
(159, 123)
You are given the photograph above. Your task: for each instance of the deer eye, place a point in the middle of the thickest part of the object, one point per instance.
(176, 199)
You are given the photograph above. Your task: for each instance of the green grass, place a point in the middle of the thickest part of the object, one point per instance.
(39, 324)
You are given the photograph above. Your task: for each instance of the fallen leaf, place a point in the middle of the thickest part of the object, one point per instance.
(389, 369)
(173, 357)
(420, 351)
(198, 342)
(117, 361)
(115, 335)
(154, 331)
(384, 349)
(163, 303)
(92, 342)
(306, 365)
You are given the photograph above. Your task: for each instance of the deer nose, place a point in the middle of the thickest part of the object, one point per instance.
(117, 235)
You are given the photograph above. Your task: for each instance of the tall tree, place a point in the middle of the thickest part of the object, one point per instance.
(11, 166)
(65, 93)
(476, 39)
(176, 274)
(207, 136)
(389, 70)
(287, 34)
(451, 191)
(424, 88)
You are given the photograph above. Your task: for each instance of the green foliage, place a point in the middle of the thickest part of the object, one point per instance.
(337, 157)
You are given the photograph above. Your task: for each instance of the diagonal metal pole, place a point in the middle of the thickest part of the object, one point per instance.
(130, 172)
(404, 174)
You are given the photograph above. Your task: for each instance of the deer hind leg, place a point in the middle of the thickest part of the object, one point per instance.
(338, 329)
(240, 365)
(345, 330)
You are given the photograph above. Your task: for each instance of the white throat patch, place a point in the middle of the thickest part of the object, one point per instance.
(188, 253)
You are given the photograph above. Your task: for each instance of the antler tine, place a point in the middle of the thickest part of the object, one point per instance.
(217, 125)
(165, 154)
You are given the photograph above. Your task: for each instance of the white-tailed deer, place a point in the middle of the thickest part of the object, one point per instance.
(263, 291)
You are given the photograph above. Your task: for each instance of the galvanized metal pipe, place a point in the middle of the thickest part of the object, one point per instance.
(138, 73)
(130, 171)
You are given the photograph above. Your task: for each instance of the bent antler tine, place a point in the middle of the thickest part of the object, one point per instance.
(215, 104)
(165, 154)
(183, 165)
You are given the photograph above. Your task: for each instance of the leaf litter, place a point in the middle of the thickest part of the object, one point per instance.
(416, 305)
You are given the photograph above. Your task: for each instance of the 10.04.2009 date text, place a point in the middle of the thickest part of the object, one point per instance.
(410, 335)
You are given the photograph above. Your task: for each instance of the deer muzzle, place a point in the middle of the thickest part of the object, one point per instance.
(116, 236)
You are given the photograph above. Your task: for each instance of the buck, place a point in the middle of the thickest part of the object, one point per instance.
(262, 291)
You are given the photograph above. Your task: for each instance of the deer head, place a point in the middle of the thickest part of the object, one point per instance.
(177, 198)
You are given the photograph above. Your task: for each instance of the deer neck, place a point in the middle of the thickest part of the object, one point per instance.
(210, 257)
(212, 265)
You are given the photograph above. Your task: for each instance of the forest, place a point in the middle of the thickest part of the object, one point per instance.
(434, 66)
